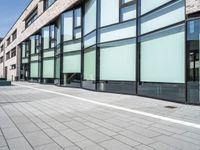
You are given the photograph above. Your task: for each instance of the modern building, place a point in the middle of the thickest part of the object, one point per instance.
(139, 47)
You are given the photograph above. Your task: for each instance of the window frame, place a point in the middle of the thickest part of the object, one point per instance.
(33, 15)
(125, 5)
(14, 35)
(46, 6)
(13, 52)
(7, 55)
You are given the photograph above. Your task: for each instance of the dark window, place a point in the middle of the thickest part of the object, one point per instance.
(2, 48)
(1, 59)
(14, 35)
(13, 67)
(25, 49)
(38, 43)
(7, 55)
(48, 3)
(31, 17)
(8, 41)
(13, 52)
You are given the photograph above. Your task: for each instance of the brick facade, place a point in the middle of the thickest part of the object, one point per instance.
(192, 6)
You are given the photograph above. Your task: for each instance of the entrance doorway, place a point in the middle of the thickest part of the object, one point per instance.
(193, 64)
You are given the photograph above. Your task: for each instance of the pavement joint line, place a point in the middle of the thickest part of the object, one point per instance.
(185, 123)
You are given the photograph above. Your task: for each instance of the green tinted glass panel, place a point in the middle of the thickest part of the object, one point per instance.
(34, 70)
(72, 63)
(163, 56)
(118, 62)
(90, 64)
(48, 68)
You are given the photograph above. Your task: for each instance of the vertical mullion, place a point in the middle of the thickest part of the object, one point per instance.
(82, 43)
(97, 43)
(49, 36)
(41, 57)
(61, 47)
(73, 25)
(29, 58)
(138, 5)
(35, 44)
(54, 46)
(186, 59)
(120, 6)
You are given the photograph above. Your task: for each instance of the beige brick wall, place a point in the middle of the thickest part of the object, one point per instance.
(192, 6)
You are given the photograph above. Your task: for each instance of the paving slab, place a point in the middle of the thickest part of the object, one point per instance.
(75, 119)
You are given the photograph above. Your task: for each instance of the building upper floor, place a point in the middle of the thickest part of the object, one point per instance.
(41, 12)
(37, 14)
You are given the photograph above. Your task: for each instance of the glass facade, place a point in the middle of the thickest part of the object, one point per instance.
(48, 50)
(120, 46)
(193, 48)
(35, 42)
(25, 67)
(156, 51)
(71, 50)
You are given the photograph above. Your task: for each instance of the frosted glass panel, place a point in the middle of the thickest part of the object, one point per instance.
(118, 62)
(25, 60)
(90, 16)
(32, 44)
(34, 58)
(34, 70)
(48, 68)
(90, 65)
(148, 5)
(166, 16)
(109, 12)
(68, 25)
(72, 63)
(72, 47)
(48, 54)
(163, 56)
(128, 12)
(45, 34)
(120, 31)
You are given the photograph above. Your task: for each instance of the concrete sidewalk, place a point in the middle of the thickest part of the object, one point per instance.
(41, 120)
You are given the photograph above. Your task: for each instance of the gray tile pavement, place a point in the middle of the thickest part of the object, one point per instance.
(37, 120)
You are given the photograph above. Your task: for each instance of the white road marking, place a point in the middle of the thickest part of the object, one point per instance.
(189, 124)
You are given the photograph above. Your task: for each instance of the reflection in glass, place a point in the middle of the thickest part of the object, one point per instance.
(163, 17)
(193, 47)
(90, 16)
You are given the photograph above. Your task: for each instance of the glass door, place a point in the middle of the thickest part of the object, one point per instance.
(193, 47)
